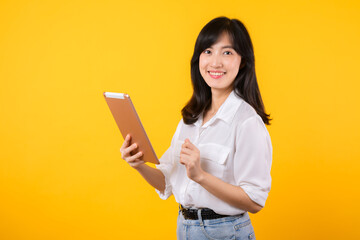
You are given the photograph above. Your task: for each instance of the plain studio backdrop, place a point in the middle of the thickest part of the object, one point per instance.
(61, 172)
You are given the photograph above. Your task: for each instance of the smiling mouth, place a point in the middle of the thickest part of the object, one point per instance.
(216, 74)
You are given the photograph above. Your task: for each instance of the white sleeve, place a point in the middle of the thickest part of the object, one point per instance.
(165, 167)
(252, 159)
(167, 164)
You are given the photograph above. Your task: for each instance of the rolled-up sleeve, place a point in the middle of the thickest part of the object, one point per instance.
(252, 159)
(166, 165)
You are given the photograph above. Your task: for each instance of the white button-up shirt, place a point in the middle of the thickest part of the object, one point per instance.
(234, 146)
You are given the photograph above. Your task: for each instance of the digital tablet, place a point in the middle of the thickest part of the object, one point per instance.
(129, 122)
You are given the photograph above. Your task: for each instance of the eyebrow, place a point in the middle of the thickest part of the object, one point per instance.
(225, 47)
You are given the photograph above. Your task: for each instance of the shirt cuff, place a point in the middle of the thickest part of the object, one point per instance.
(257, 195)
(168, 189)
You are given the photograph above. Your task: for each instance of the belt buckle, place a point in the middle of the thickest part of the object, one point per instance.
(182, 208)
(183, 211)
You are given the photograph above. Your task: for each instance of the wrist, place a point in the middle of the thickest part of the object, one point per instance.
(140, 167)
(202, 177)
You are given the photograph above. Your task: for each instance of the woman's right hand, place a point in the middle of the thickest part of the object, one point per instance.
(132, 160)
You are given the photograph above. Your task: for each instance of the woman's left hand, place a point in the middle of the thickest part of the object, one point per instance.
(190, 157)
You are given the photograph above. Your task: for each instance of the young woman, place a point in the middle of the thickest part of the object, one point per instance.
(218, 164)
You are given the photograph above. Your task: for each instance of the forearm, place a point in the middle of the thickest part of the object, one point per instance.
(153, 176)
(231, 194)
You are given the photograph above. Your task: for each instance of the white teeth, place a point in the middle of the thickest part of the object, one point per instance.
(216, 73)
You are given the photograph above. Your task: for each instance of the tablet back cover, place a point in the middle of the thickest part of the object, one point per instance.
(129, 122)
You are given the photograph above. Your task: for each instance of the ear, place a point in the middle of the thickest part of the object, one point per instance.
(242, 64)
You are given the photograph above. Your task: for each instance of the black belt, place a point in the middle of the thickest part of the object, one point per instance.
(206, 213)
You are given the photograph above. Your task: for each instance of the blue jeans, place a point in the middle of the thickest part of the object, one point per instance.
(233, 227)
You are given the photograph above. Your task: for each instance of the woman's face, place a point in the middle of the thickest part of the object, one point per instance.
(219, 65)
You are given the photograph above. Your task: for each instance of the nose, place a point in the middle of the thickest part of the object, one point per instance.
(215, 61)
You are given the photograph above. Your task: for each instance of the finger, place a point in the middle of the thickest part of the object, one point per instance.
(137, 163)
(127, 139)
(186, 151)
(126, 142)
(183, 160)
(134, 157)
(185, 145)
(188, 144)
(129, 149)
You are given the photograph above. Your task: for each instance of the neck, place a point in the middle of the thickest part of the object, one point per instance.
(218, 98)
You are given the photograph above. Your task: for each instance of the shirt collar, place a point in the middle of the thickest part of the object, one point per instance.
(226, 112)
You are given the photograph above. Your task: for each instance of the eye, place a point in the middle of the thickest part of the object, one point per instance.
(228, 53)
(207, 51)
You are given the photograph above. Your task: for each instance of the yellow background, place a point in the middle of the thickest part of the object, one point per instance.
(61, 174)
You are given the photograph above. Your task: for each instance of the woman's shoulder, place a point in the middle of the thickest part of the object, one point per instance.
(247, 121)
(245, 112)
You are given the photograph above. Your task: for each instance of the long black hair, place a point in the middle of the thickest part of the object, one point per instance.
(245, 84)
